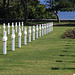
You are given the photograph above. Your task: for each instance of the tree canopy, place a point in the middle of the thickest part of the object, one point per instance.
(23, 9)
(60, 5)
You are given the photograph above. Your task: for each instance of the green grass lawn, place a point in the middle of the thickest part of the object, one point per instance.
(47, 55)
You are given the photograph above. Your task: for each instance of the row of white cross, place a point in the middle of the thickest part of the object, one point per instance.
(41, 30)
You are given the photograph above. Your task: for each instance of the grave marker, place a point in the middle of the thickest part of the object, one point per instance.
(36, 31)
(29, 33)
(25, 36)
(22, 26)
(12, 26)
(33, 32)
(47, 28)
(19, 34)
(8, 28)
(44, 29)
(40, 30)
(16, 27)
(4, 42)
(52, 26)
(19, 25)
(4, 27)
(13, 40)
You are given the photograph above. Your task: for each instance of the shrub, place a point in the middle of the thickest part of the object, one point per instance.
(70, 34)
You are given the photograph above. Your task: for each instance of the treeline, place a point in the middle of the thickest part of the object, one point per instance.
(17, 9)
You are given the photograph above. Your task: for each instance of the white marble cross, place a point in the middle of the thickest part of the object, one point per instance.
(36, 31)
(13, 39)
(19, 34)
(16, 27)
(29, 33)
(22, 26)
(25, 36)
(4, 27)
(4, 42)
(8, 28)
(40, 30)
(12, 26)
(33, 32)
(19, 25)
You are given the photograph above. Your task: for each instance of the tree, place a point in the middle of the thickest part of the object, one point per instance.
(25, 3)
(60, 5)
(34, 13)
(23, 9)
(32, 6)
(4, 6)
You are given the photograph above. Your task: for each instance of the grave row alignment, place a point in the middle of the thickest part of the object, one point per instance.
(39, 30)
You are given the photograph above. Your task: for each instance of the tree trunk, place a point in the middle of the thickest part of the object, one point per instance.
(56, 13)
(24, 2)
(6, 6)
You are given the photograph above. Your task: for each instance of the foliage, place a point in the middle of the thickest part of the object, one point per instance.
(60, 5)
(70, 33)
(43, 14)
(16, 11)
(64, 5)
(35, 10)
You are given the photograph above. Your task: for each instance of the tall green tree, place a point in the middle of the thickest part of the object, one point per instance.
(60, 5)
(25, 6)
(18, 8)
(12, 7)
(23, 9)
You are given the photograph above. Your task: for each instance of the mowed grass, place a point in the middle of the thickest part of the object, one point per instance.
(47, 55)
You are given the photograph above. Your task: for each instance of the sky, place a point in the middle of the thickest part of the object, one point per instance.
(41, 1)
